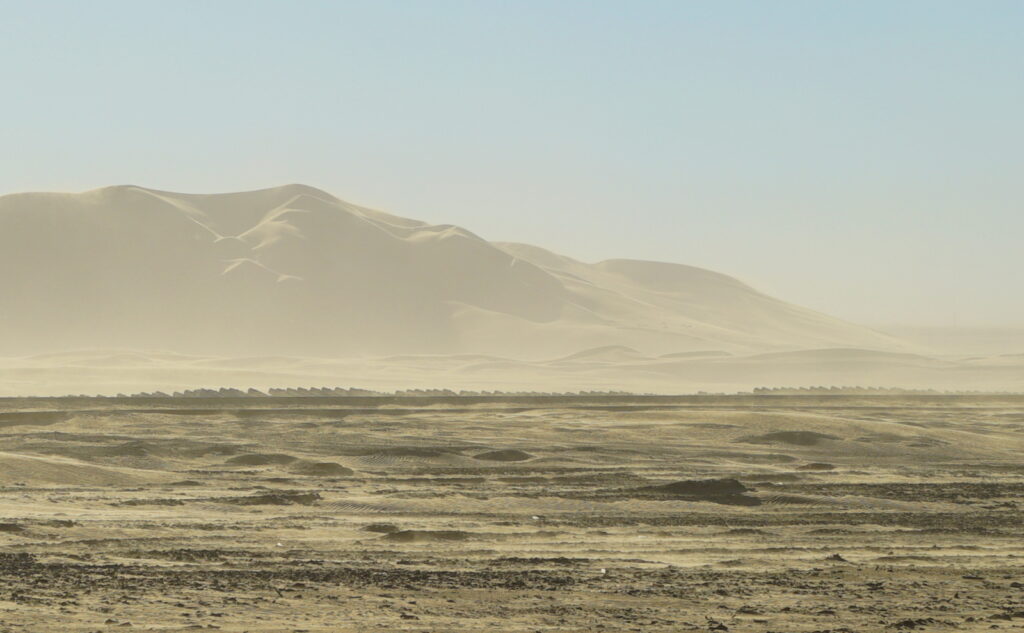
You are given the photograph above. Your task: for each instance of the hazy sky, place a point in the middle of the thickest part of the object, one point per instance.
(861, 158)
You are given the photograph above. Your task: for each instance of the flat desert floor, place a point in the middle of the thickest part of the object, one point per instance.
(755, 514)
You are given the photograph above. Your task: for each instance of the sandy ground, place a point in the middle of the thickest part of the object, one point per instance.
(828, 514)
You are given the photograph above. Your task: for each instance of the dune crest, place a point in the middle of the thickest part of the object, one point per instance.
(295, 270)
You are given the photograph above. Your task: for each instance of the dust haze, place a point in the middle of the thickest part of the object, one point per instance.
(345, 316)
(128, 290)
(278, 411)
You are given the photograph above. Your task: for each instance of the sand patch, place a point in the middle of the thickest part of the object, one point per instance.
(67, 472)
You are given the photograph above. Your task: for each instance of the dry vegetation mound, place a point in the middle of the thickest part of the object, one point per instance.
(322, 469)
(427, 536)
(507, 455)
(724, 491)
(701, 488)
(382, 528)
(817, 466)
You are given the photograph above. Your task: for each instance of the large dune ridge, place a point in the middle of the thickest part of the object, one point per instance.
(291, 286)
(294, 270)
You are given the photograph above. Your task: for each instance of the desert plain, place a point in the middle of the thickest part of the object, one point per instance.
(503, 513)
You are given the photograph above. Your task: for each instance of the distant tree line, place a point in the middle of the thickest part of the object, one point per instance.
(334, 392)
(857, 390)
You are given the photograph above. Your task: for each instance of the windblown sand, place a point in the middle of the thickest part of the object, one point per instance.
(586, 514)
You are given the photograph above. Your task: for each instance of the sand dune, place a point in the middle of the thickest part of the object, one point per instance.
(291, 286)
(293, 270)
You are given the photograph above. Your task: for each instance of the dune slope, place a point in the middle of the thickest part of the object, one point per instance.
(294, 270)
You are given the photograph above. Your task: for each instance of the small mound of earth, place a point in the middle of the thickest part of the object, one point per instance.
(382, 528)
(507, 455)
(427, 536)
(701, 488)
(260, 459)
(322, 469)
(796, 438)
(817, 466)
(60, 523)
(725, 491)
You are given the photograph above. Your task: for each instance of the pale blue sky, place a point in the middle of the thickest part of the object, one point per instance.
(861, 158)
